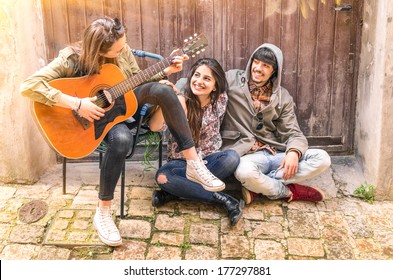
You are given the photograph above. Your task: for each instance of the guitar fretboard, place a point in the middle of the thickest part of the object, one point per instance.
(139, 78)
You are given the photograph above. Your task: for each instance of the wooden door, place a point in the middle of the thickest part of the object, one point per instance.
(320, 46)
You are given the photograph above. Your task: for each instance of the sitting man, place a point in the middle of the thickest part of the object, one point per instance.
(261, 125)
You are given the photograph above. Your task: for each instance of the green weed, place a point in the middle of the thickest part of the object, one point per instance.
(365, 192)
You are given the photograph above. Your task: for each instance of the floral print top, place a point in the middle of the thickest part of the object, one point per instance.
(210, 137)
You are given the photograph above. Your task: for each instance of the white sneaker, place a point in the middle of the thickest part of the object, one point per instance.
(106, 228)
(197, 172)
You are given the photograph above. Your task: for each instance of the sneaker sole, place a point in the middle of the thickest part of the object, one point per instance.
(210, 189)
(106, 241)
(246, 195)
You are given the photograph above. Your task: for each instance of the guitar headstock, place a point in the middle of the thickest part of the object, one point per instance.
(195, 45)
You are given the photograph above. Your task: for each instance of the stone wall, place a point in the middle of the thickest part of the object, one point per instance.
(24, 155)
(374, 118)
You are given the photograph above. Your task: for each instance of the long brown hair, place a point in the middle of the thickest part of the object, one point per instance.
(194, 110)
(98, 38)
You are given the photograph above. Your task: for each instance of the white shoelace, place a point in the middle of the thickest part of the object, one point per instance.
(204, 173)
(106, 221)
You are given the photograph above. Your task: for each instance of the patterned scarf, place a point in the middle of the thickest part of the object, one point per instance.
(261, 95)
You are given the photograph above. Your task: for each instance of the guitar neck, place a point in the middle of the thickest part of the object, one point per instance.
(139, 78)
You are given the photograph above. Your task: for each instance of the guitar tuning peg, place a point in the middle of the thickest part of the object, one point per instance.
(203, 50)
(185, 40)
(195, 34)
(190, 37)
(198, 52)
(193, 55)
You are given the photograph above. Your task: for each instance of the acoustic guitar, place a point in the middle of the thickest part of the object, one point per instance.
(72, 136)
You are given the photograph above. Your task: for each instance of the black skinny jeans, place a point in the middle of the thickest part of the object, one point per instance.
(119, 138)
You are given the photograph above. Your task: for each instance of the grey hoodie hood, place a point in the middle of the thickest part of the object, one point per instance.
(279, 57)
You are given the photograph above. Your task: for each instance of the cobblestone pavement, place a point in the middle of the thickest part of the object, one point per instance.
(342, 227)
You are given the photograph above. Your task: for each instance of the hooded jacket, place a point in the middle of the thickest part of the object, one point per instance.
(280, 127)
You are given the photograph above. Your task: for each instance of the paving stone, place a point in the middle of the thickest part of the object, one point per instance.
(135, 229)
(268, 250)
(130, 250)
(8, 218)
(34, 192)
(81, 225)
(238, 229)
(60, 224)
(339, 250)
(253, 213)
(53, 253)
(167, 207)
(167, 223)
(19, 252)
(359, 226)
(273, 208)
(140, 208)
(5, 230)
(7, 192)
(303, 224)
(163, 253)
(335, 234)
(266, 230)
(385, 239)
(141, 193)
(189, 207)
(85, 198)
(85, 214)
(235, 247)
(32, 234)
(305, 206)
(211, 212)
(332, 219)
(66, 214)
(368, 249)
(198, 252)
(305, 247)
(349, 207)
(204, 234)
(168, 238)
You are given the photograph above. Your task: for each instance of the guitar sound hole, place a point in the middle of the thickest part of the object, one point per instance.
(102, 99)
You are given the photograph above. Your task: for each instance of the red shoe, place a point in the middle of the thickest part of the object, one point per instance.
(248, 196)
(301, 192)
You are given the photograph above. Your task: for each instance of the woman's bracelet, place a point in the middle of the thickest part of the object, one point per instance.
(80, 104)
(162, 74)
(77, 105)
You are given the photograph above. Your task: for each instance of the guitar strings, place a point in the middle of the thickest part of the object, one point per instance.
(125, 86)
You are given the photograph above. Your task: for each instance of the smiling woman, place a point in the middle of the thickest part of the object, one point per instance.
(205, 97)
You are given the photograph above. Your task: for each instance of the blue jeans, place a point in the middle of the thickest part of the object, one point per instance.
(259, 173)
(171, 177)
(119, 138)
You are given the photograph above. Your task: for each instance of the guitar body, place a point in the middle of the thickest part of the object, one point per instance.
(64, 131)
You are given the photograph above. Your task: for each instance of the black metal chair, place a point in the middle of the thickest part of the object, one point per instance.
(141, 131)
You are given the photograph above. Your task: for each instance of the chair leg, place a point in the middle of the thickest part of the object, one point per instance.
(122, 190)
(64, 175)
(160, 152)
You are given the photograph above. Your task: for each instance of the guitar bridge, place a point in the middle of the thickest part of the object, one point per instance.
(84, 123)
